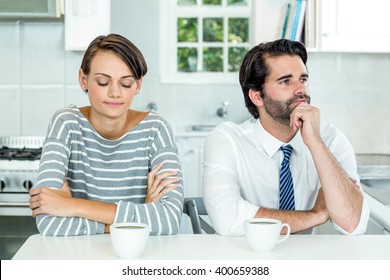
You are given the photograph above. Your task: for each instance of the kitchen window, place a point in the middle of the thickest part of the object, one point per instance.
(204, 41)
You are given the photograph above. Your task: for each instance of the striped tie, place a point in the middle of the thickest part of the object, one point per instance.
(286, 200)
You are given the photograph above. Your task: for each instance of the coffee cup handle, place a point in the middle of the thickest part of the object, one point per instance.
(287, 234)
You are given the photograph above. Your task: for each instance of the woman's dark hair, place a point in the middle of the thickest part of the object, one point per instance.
(254, 69)
(120, 46)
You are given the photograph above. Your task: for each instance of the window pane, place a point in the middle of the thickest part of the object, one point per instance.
(213, 59)
(187, 29)
(186, 2)
(238, 30)
(213, 29)
(235, 58)
(187, 59)
(212, 2)
(238, 2)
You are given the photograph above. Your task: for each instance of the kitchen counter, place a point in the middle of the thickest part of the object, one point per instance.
(378, 211)
(210, 247)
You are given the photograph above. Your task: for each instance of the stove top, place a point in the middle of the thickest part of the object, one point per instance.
(19, 163)
(20, 153)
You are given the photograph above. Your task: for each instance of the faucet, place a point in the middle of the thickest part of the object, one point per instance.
(223, 111)
(152, 106)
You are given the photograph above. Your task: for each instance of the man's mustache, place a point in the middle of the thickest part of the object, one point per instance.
(299, 97)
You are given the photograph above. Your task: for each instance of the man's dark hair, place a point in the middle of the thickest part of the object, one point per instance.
(254, 69)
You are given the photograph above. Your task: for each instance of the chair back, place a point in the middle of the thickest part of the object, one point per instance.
(194, 207)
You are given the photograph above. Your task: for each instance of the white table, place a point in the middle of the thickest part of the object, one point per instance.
(210, 247)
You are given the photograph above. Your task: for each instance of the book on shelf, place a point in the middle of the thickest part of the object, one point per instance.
(300, 22)
(294, 20)
(310, 24)
(296, 15)
(290, 19)
(283, 20)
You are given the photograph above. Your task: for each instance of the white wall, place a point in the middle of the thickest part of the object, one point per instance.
(37, 76)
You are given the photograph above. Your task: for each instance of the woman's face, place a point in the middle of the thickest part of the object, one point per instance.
(110, 84)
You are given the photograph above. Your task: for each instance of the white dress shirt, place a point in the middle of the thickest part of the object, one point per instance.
(241, 173)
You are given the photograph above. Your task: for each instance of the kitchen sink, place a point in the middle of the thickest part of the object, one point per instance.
(375, 176)
(202, 127)
(377, 183)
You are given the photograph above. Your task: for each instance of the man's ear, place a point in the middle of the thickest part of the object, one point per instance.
(255, 97)
(83, 80)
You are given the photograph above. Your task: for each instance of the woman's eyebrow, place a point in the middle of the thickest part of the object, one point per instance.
(108, 76)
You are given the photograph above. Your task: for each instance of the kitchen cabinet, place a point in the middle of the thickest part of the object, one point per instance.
(85, 20)
(191, 158)
(354, 26)
(336, 25)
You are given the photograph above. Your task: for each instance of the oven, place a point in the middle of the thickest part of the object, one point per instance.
(19, 162)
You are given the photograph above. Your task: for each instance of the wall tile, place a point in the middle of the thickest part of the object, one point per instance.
(72, 65)
(43, 59)
(10, 111)
(38, 105)
(75, 95)
(10, 53)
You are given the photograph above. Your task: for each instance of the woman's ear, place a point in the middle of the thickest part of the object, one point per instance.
(139, 86)
(83, 80)
(255, 97)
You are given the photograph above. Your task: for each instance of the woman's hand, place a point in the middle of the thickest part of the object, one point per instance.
(51, 201)
(160, 184)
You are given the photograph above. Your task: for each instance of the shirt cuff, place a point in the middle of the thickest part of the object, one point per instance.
(362, 226)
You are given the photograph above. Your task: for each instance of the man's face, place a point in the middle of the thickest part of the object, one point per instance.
(285, 88)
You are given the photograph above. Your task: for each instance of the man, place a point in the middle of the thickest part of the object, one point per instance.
(281, 163)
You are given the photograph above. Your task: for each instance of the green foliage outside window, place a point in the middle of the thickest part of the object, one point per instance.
(238, 30)
(213, 29)
(235, 57)
(187, 59)
(211, 40)
(212, 2)
(213, 59)
(187, 29)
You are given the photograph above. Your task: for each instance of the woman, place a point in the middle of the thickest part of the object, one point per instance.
(106, 163)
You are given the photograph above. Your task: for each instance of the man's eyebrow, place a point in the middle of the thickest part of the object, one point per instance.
(287, 76)
(284, 77)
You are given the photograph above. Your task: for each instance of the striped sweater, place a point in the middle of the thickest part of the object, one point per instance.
(109, 170)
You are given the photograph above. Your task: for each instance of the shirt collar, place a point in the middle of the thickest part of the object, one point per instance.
(272, 145)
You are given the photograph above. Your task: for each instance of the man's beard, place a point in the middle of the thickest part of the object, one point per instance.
(281, 111)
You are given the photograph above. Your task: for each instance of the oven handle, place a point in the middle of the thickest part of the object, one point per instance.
(14, 204)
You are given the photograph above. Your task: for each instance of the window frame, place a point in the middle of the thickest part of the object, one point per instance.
(169, 12)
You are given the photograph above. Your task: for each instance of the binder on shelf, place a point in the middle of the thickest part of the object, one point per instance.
(290, 21)
(284, 20)
(310, 24)
(297, 13)
(301, 21)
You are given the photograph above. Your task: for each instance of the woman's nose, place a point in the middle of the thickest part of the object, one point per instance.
(114, 91)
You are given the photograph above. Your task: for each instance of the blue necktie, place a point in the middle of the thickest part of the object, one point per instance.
(286, 199)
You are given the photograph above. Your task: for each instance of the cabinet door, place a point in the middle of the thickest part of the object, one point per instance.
(191, 158)
(355, 25)
(85, 20)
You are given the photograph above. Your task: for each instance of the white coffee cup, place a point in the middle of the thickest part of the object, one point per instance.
(129, 239)
(263, 234)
